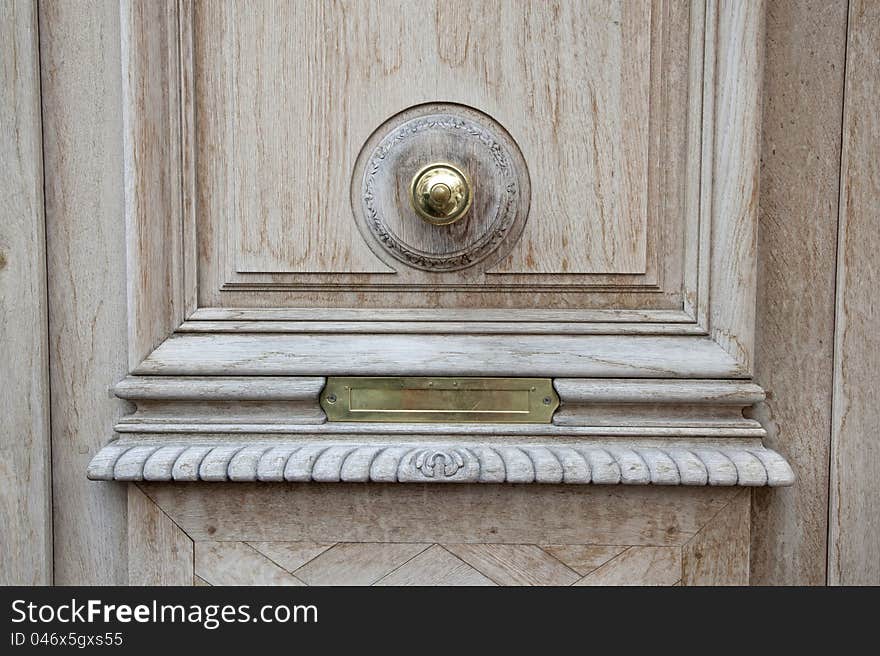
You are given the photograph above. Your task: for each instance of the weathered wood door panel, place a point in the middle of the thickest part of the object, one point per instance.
(329, 75)
(603, 99)
(402, 535)
(612, 160)
(598, 160)
(202, 166)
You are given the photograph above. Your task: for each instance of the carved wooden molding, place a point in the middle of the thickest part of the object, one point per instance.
(290, 405)
(323, 461)
(163, 402)
(607, 431)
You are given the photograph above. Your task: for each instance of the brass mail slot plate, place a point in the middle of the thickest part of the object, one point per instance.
(440, 400)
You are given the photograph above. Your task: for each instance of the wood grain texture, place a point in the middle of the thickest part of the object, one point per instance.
(357, 564)
(854, 524)
(708, 559)
(159, 293)
(583, 558)
(670, 435)
(575, 141)
(638, 566)
(400, 564)
(372, 327)
(632, 402)
(241, 388)
(160, 553)
(521, 564)
(435, 566)
(577, 391)
(25, 488)
(236, 563)
(429, 514)
(82, 124)
(734, 177)
(195, 354)
(367, 61)
(797, 235)
(291, 555)
(410, 541)
(217, 400)
(719, 553)
(364, 314)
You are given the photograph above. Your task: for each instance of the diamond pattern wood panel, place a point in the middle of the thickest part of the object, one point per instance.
(353, 563)
(715, 552)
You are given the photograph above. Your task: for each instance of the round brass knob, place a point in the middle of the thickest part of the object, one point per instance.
(441, 193)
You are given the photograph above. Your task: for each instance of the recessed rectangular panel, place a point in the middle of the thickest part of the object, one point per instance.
(288, 93)
(443, 400)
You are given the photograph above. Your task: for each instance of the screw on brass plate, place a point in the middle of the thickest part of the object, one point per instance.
(331, 398)
(547, 400)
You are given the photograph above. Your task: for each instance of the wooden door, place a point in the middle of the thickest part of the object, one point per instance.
(180, 218)
(608, 152)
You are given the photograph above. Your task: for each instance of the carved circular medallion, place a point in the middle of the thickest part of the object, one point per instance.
(410, 143)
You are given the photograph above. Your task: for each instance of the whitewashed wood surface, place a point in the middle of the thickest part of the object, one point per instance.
(498, 460)
(854, 523)
(397, 535)
(25, 486)
(82, 129)
(804, 63)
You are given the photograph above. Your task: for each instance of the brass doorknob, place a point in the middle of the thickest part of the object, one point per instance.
(441, 193)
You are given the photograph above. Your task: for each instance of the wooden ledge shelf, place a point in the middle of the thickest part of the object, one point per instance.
(606, 431)
(609, 462)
